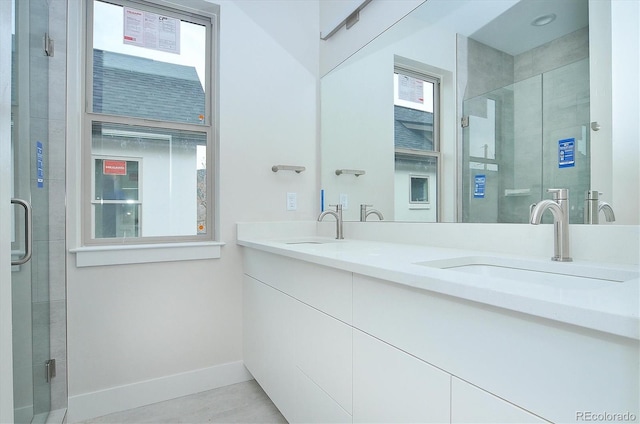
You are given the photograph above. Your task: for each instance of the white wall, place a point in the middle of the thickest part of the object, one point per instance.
(376, 17)
(613, 33)
(135, 326)
(355, 102)
(625, 138)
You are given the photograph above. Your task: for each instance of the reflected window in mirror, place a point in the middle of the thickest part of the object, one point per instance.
(419, 189)
(417, 144)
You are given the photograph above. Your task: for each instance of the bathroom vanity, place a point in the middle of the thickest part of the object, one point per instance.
(368, 331)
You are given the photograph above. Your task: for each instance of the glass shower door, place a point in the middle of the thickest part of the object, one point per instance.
(514, 144)
(503, 160)
(32, 369)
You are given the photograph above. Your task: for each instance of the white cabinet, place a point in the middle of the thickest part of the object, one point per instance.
(326, 289)
(534, 363)
(268, 346)
(299, 354)
(314, 405)
(323, 347)
(470, 404)
(390, 386)
(331, 346)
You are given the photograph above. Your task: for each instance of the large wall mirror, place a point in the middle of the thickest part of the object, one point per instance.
(465, 111)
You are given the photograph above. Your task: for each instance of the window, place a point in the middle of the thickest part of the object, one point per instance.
(419, 189)
(417, 144)
(148, 124)
(116, 197)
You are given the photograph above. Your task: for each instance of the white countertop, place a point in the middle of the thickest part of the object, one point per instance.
(611, 307)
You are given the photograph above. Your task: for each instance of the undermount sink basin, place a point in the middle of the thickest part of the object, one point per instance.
(310, 241)
(561, 275)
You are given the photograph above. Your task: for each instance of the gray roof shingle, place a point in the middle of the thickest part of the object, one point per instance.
(144, 88)
(413, 129)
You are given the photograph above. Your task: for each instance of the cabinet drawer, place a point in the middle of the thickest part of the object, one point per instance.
(326, 289)
(268, 347)
(324, 353)
(313, 405)
(390, 386)
(470, 404)
(549, 368)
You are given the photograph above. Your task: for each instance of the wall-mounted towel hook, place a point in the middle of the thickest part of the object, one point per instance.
(356, 172)
(297, 169)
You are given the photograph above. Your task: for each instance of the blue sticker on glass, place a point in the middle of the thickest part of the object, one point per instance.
(479, 186)
(39, 164)
(566, 153)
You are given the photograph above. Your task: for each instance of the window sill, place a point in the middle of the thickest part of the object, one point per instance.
(145, 253)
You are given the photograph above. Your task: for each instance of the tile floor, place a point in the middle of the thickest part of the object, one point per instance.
(239, 403)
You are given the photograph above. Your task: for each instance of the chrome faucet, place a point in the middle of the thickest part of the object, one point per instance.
(593, 207)
(338, 215)
(364, 213)
(609, 216)
(559, 207)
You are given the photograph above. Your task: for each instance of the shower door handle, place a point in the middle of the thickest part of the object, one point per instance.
(28, 231)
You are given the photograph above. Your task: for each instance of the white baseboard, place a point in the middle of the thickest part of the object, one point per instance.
(57, 416)
(95, 404)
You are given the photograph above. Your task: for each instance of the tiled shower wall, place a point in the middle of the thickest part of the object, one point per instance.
(555, 54)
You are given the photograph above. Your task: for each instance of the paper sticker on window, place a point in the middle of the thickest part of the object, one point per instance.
(566, 153)
(114, 167)
(410, 89)
(152, 31)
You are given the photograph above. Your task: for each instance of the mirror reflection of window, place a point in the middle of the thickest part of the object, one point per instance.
(416, 117)
(414, 111)
(419, 189)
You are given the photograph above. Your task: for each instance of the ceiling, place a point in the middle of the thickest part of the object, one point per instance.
(512, 32)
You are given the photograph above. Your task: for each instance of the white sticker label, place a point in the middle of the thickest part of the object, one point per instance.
(151, 31)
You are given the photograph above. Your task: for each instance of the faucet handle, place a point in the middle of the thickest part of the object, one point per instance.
(559, 193)
(338, 206)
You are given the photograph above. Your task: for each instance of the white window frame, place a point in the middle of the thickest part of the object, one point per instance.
(207, 15)
(414, 203)
(436, 80)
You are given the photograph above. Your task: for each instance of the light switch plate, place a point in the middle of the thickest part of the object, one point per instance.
(344, 201)
(292, 201)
